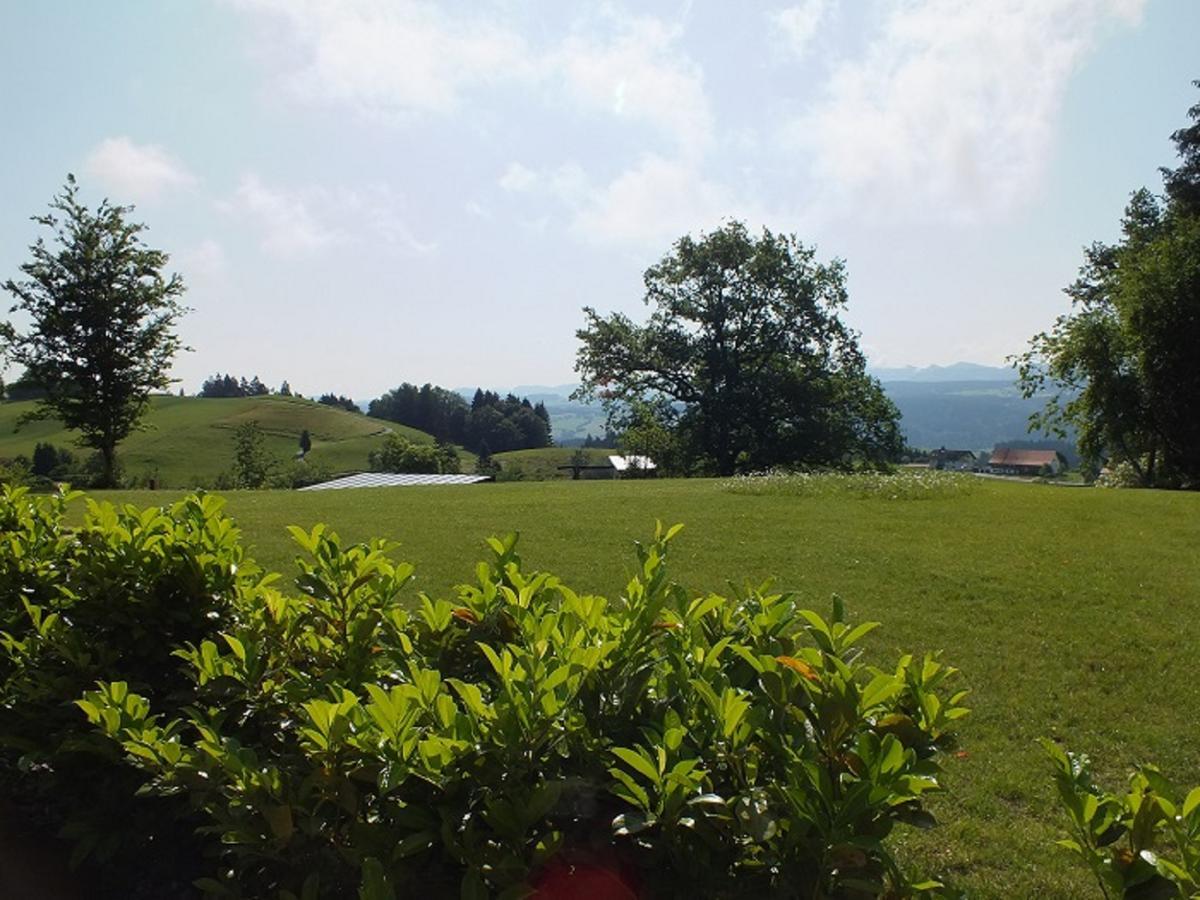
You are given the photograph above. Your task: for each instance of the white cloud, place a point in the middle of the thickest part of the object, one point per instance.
(517, 178)
(375, 211)
(655, 202)
(405, 57)
(135, 172)
(389, 58)
(204, 261)
(798, 24)
(288, 226)
(639, 73)
(477, 209)
(952, 110)
(313, 218)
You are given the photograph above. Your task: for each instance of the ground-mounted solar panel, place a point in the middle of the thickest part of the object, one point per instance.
(393, 479)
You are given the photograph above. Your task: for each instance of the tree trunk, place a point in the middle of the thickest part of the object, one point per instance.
(108, 454)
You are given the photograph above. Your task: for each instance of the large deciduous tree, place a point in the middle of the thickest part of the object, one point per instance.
(745, 343)
(101, 319)
(1122, 368)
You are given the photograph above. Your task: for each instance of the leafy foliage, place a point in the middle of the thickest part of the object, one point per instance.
(399, 454)
(680, 743)
(49, 460)
(110, 599)
(745, 338)
(1123, 363)
(500, 423)
(1144, 843)
(339, 401)
(228, 386)
(253, 464)
(101, 316)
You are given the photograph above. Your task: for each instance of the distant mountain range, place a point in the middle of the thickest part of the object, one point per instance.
(959, 371)
(964, 406)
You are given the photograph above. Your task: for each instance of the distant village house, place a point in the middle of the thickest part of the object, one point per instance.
(615, 467)
(1005, 461)
(952, 460)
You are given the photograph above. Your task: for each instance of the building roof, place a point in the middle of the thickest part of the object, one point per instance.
(393, 479)
(624, 463)
(943, 453)
(1005, 456)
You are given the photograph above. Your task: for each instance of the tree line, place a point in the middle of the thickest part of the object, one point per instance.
(1122, 367)
(489, 422)
(230, 386)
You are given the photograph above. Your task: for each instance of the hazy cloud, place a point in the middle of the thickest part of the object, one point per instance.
(205, 260)
(654, 202)
(135, 172)
(518, 178)
(798, 24)
(313, 218)
(638, 72)
(389, 58)
(288, 226)
(953, 107)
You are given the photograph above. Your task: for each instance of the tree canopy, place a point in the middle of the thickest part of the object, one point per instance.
(1122, 367)
(101, 321)
(501, 423)
(228, 386)
(744, 352)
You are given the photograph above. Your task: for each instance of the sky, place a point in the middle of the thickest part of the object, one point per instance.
(367, 192)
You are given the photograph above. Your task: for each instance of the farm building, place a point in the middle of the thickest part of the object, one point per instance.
(952, 460)
(1027, 462)
(615, 467)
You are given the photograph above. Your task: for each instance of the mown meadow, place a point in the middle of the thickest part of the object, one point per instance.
(189, 441)
(1073, 614)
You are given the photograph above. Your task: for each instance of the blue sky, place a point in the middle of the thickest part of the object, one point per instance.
(363, 193)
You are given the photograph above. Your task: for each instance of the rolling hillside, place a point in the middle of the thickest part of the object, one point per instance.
(189, 440)
(542, 464)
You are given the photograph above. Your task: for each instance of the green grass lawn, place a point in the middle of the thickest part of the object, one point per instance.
(189, 440)
(542, 463)
(1073, 614)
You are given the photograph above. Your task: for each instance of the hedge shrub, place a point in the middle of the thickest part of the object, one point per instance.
(344, 736)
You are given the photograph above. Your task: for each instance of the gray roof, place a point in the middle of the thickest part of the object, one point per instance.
(392, 479)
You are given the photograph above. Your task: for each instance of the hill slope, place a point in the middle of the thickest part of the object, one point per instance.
(189, 440)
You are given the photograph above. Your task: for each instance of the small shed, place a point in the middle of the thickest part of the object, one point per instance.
(614, 467)
(633, 466)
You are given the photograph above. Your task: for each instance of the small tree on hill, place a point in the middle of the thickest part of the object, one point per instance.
(485, 464)
(305, 442)
(252, 464)
(102, 317)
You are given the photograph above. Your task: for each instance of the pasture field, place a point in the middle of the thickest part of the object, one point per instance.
(1072, 614)
(541, 464)
(189, 440)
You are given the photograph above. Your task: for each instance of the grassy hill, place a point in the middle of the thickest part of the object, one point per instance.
(189, 440)
(542, 464)
(1072, 614)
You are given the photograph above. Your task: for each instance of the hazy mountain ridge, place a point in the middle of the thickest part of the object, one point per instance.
(964, 405)
(959, 371)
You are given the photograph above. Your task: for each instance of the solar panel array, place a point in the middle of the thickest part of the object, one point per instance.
(392, 479)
